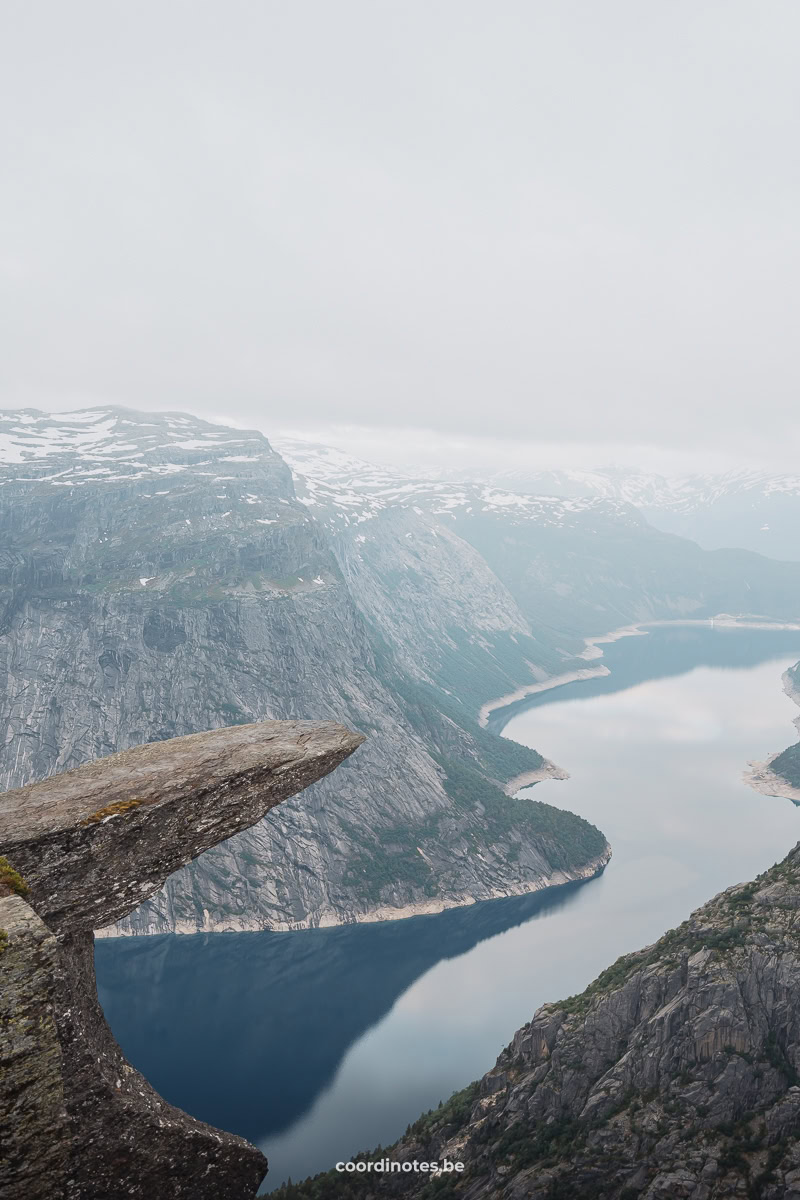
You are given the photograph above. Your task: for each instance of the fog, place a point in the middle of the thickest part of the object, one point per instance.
(568, 225)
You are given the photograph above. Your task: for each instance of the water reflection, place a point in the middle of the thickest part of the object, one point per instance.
(321, 1043)
(244, 1030)
(659, 652)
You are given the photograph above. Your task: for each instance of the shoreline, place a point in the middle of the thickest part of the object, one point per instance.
(591, 651)
(757, 776)
(558, 878)
(545, 685)
(548, 770)
(760, 776)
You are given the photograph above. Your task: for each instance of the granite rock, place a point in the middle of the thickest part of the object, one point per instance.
(90, 844)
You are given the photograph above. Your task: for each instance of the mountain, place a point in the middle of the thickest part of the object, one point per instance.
(675, 1074)
(753, 510)
(574, 565)
(159, 577)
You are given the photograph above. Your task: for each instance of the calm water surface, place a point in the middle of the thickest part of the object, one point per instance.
(321, 1043)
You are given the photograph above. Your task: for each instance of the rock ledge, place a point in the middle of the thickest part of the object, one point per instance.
(92, 844)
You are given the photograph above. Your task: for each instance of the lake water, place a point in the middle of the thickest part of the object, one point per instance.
(321, 1043)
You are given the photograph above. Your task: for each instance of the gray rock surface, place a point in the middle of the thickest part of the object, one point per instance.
(158, 576)
(33, 1119)
(675, 1074)
(93, 843)
(79, 1122)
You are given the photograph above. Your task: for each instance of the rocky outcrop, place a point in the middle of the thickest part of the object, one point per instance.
(89, 845)
(95, 842)
(675, 1074)
(34, 1140)
(779, 775)
(158, 577)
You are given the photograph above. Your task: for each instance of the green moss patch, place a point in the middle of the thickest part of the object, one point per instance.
(11, 881)
(114, 810)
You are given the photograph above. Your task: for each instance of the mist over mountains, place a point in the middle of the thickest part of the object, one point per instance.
(162, 575)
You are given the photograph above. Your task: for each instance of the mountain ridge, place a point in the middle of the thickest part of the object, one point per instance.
(170, 582)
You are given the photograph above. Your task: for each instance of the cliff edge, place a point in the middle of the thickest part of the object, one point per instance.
(88, 846)
(676, 1074)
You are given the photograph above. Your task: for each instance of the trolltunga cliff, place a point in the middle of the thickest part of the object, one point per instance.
(79, 1123)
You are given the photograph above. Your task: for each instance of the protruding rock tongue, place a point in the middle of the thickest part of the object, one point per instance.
(95, 842)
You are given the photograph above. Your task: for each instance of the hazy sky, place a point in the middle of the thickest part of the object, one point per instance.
(556, 221)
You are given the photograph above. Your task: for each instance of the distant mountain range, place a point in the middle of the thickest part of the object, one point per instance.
(161, 575)
(747, 509)
(753, 510)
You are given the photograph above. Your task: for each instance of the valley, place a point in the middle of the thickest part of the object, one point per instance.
(162, 575)
(654, 754)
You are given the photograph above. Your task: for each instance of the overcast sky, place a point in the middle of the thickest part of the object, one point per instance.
(551, 221)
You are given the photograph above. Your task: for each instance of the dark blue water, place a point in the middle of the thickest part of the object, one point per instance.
(320, 1043)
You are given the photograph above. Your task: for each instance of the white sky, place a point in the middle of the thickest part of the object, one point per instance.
(571, 224)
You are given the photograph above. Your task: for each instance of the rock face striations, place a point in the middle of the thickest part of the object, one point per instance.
(676, 1074)
(88, 846)
(159, 577)
(162, 575)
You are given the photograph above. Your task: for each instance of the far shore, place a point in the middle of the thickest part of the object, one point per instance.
(547, 770)
(559, 877)
(592, 650)
(760, 776)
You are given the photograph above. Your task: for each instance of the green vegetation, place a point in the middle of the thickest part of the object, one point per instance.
(776, 1058)
(390, 860)
(737, 918)
(11, 881)
(522, 1145)
(475, 764)
(668, 950)
(564, 839)
(431, 711)
(3, 940)
(454, 1112)
(477, 674)
(383, 857)
(787, 765)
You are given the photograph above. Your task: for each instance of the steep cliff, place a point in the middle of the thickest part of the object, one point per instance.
(675, 1074)
(84, 848)
(158, 576)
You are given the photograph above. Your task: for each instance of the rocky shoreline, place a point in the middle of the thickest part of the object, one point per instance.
(548, 770)
(759, 775)
(544, 685)
(592, 651)
(762, 778)
(556, 879)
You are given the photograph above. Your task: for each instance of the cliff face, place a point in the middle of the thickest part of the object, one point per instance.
(158, 576)
(675, 1074)
(78, 1121)
(34, 1154)
(574, 565)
